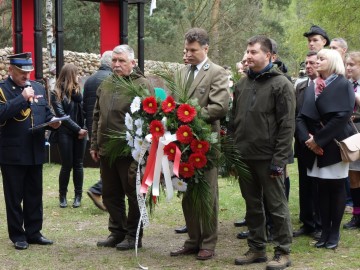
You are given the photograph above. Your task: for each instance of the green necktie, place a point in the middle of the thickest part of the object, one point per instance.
(191, 76)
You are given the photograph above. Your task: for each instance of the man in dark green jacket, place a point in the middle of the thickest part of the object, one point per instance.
(109, 114)
(263, 126)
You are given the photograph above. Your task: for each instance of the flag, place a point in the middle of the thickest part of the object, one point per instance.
(152, 6)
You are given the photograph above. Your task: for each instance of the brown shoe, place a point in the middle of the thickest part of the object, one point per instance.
(251, 257)
(184, 251)
(111, 241)
(205, 254)
(279, 262)
(97, 200)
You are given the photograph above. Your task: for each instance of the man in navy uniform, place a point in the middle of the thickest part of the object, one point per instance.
(23, 105)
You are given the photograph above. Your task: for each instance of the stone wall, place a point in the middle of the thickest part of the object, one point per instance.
(87, 63)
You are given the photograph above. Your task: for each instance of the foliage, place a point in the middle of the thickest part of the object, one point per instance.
(5, 24)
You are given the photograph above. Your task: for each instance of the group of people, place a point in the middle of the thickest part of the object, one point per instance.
(317, 113)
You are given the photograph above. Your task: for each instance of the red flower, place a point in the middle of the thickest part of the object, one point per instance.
(186, 113)
(199, 146)
(156, 128)
(150, 105)
(170, 151)
(168, 105)
(184, 134)
(198, 160)
(186, 170)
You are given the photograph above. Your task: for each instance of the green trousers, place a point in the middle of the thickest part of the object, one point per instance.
(254, 191)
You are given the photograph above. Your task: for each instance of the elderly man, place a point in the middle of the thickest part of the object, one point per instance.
(340, 45)
(263, 126)
(308, 189)
(317, 38)
(23, 105)
(109, 114)
(208, 83)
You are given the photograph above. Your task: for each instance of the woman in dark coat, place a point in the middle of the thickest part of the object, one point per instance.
(323, 119)
(67, 100)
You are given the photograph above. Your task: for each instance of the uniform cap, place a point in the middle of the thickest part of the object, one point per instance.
(22, 61)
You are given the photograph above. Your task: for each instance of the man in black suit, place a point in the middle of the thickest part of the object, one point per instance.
(308, 190)
(90, 87)
(23, 105)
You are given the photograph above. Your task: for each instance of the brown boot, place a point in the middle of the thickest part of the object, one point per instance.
(251, 257)
(279, 262)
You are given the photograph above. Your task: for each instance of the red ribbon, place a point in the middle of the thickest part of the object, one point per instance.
(148, 177)
(177, 161)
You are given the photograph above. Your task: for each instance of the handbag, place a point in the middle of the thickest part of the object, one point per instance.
(350, 147)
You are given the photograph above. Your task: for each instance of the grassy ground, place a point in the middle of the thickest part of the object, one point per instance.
(76, 231)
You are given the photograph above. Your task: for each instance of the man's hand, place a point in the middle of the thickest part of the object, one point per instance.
(276, 171)
(95, 155)
(28, 93)
(55, 125)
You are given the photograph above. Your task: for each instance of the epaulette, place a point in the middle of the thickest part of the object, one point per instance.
(36, 82)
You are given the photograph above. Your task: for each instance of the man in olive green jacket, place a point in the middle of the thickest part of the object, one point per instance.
(109, 114)
(263, 128)
(209, 86)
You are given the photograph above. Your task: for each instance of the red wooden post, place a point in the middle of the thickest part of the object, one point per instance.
(109, 25)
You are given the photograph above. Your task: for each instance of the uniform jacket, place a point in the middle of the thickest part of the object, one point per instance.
(90, 87)
(18, 144)
(70, 107)
(263, 117)
(110, 108)
(327, 118)
(210, 89)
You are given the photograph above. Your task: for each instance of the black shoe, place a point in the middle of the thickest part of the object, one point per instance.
(317, 235)
(77, 201)
(320, 244)
(331, 246)
(63, 201)
(111, 241)
(181, 229)
(40, 241)
(302, 231)
(354, 223)
(240, 223)
(128, 243)
(242, 235)
(21, 245)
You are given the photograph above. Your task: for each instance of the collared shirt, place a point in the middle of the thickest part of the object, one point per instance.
(199, 66)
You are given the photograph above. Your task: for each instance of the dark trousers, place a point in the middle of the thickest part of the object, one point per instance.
(308, 199)
(72, 151)
(254, 191)
(97, 188)
(23, 184)
(332, 196)
(117, 185)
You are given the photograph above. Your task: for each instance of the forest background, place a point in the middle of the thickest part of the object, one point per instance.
(229, 22)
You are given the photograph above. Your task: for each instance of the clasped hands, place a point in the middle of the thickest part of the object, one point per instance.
(311, 144)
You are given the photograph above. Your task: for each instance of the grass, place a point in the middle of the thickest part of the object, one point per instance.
(76, 231)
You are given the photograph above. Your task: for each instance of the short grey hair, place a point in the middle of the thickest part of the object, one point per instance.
(106, 58)
(125, 49)
(342, 42)
(336, 64)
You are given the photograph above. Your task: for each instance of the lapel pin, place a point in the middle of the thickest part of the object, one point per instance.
(206, 67)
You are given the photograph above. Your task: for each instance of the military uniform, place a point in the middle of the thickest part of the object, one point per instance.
(22, 153)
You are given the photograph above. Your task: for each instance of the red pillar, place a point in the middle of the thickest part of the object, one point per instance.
(109, 26)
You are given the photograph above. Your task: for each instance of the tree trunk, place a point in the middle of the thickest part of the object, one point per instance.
(215, 31)
(49, 44)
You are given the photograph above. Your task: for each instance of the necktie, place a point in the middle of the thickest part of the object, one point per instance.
(355, 83)
(191, 76)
